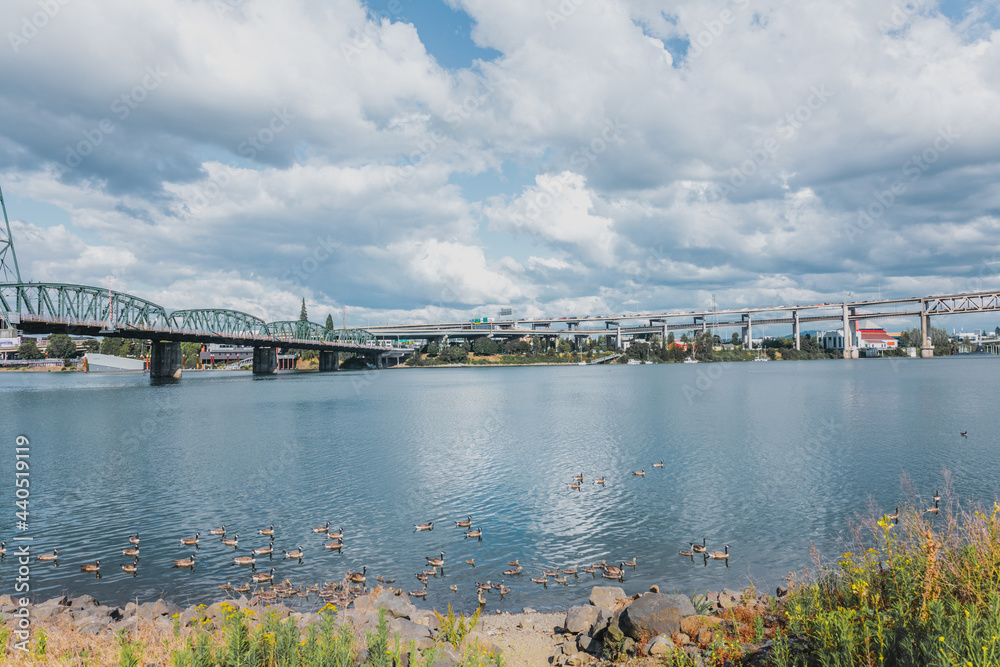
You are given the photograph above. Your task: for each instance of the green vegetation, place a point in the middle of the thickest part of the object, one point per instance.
(923, 592)
(453, 629)
(60, 346)
(124, 347)
(29, 350)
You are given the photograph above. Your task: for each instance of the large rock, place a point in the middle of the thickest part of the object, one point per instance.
(690, 625)
(407, 630)
(83, 602)
(652, 614)
(399, 607)
(589, 645)
(424, 617)
(683, 604)
(658, 645)
(605, 596)
(581, 619)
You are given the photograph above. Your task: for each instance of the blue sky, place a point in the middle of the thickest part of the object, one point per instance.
(578, 157)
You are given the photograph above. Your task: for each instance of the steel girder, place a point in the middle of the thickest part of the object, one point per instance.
(970, 303)
(299, 330)
(81, 304)
(220, 322)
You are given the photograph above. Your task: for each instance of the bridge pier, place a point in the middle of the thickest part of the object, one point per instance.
(926, 348)
(265, 361)
(329, 361)
(795, 329)
(166, 361)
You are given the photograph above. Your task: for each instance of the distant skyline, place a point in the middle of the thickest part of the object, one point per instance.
(427, 160)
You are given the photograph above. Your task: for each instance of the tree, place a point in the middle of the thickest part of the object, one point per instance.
(303, 315)
(60, 346)
(92, 345)
(736, 339)
(329, 321)
(670, 338)
(28, 350)
(485, 346)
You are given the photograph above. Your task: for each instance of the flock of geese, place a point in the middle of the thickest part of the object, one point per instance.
(577, 482)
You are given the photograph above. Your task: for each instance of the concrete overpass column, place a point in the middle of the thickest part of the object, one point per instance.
(618, 337)
(329, 361)
(265, 361)
(795, 329)
(848, 343)
(166, 361)
(926, 348)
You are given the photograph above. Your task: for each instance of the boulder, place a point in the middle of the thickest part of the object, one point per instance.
(681, 638)
(478, 642)
(83, 602)
(704, 637)
(581, 619)
(605, 596)
(589, 645)
(7, 601)
(601, 624)
(578, 658)
(683, 604)
(426, 618)
(781, 592)
(447, 656)
(407, 629)
(658, 645)
(614, 629)
(652, 614)
(399, 607)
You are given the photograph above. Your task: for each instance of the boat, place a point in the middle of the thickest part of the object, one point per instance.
(106, 363)
(689, 360)
(634, 362)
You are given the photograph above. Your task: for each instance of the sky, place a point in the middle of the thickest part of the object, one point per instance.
(429, 160)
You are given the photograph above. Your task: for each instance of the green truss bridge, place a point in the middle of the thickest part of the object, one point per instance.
(47, 308)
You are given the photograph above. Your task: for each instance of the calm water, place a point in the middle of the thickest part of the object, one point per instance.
(768, 458)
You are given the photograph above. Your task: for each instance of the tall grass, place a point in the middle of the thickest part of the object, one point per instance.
(923, 591)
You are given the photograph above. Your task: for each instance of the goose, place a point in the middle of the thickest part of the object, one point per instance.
(296, 555)
(588, 569)
(269, 531)
(242, 588)
(190, 541)
(322, 529)
(431, 572)
(261, 577)
(423, 526)
(599, 480)
(131, 551)
(245, 560)
(388, 581)
(233, 541)
(687, 553)
(504, 590)
(465, 523)
(609, 575)
(718, 555)
(264, 551)
(471, 561)
(640, 473)
(936, 497)
(419, 594)
(514, 571)
(658, 465)
(185, 562)
(339, 535)
(3, 549)
(933, 510)
(421, 577)
(514, 563)
(964, 434)
(615, 570)
(436, 562)
(475, 533)
(481, 599)
(228, 586)
(134, 539)
(334, 546)
(498, 586)
(46, 557)
(540, 580)
(358, 577)
(561, 580)
(630, 563)
(91, 567)
(487, 587)
(698, 548)
(570, 570)
(550, 573)
(131, 568)
(575, 486)
(603, 565)
(894, 516)
(578, 478)
(218, 531)
(454, 588)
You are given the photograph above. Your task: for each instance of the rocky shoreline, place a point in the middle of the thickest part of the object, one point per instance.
(609, 627)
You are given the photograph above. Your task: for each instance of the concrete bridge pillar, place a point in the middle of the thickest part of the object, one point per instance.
(926, 348)
(748, 331)
(795, 329)
(265, 361)
(329, 361)
(166, 360)
(848, 343)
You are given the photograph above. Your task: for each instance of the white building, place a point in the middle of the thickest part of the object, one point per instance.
(832, 340)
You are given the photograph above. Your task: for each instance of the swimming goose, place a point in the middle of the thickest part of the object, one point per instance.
(388, 581)
(261, 577)
(687, 553)
(131, 569)
(570, 570)
(265, 531)
(339, 535)
(487, 587)
(131, 551)
(599, 480)
(3, 549)
(640, 473)
(616, 571)
(218, 531)
(185, 562)
(436, 562)
(578, 478)
(964, 434)
(228, 586)
(658, 465)
(698, 548)
(423, 526)
(91, 567)
(245, 560)
(540, 580)
(358, 577)
(933, 510)
(134, 539)
(481, 599)
(471, 561)
(514, 571)
(630, 563)
(421, 577)
(561, 580)
(550, 573)
(504, 589)
(893, 516)
(47, 557)
(498, 586)
(431, 572)
(242, 588)
(190, 541)
(475, 533)
(268, 550)
(322, 529)
(466, 523)
(296, 555)
(233, 541)
(575, 486)
(588, 569)
(514, 562)
(937, 497)
(334, 546)
(419, 594)
(718, 555)
(454, 588)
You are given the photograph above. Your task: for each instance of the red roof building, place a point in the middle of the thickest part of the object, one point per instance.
(876, 339)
